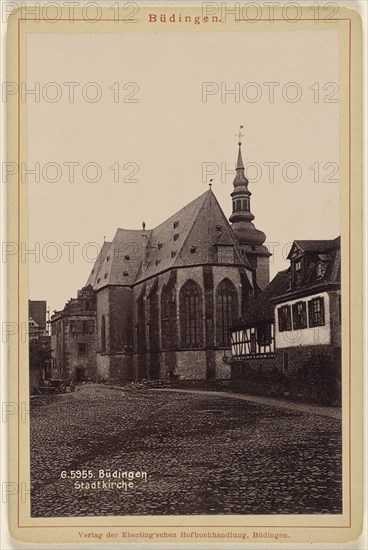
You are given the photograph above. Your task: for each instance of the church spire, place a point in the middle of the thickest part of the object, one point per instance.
(240, 178)
(241, 195)
(250, 238)
(239, 164)
(242, 217)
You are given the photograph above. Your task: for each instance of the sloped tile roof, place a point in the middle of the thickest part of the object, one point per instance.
(321, 246)
(37, 310)
(326, 253)
(161, 244)
(95, 273)
(186, 238)
(262, 309)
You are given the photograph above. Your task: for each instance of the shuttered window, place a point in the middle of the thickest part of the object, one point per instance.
(299, 315)
(316, 312)
(284, 316)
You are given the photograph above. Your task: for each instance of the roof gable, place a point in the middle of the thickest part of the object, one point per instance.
(119, 261)
(189, 237)
(321, 246)
(101, 258)
(167, 239)
(210, 229)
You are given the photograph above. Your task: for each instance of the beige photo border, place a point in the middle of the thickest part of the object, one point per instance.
(298, 528)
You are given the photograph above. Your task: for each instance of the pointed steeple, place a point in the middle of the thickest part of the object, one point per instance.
(239, 164)
(250, 239)
(241, 194)
(240, 178)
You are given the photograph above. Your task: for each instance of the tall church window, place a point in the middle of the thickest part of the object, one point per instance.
(141, 335)
(168, 317)
(191, 315)
(227, 306)
(153, 336)
(103, 334)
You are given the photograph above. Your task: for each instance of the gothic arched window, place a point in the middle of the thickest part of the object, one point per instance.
(227, 311)
(191, 315)
(103, 334)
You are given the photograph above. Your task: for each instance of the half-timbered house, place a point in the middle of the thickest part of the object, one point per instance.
(294, 326)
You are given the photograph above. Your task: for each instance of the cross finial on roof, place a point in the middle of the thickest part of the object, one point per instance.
(210, 184)
(143, 226)
(240, 135)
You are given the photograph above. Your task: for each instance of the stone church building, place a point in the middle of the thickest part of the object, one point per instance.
(166, 297)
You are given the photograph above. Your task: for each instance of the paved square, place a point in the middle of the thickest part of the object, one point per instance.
(203, 454)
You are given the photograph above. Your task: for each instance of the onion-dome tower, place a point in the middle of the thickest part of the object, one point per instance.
(250, 239)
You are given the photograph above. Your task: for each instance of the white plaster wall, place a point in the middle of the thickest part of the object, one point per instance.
(310, 336)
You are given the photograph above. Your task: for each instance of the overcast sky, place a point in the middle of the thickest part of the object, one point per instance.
(168, 134)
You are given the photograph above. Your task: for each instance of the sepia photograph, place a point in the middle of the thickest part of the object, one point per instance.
(185, 185)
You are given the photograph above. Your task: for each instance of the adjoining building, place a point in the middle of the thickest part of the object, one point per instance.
(73, 338)
(253, 335)
(294, 328)
(39, 343)
(166, 297)
(37, 322)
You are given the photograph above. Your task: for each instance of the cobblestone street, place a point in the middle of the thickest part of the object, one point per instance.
(203, 454)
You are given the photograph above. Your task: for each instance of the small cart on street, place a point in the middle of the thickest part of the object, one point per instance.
(57, 385)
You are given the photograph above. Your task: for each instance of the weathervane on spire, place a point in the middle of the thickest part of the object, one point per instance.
(240, 135)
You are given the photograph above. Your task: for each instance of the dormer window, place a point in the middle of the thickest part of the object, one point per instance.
(125, 274)
(176, 224)
(173, 254)
(105, 275)
(159, 246)
(193, 249)
(157, 262)
(107, 258)
(176, 236)
(98, 279)
(126, 257)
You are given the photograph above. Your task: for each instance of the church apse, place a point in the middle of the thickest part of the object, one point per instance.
(170, 294)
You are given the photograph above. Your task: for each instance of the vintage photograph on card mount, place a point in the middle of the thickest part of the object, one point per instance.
(182, 232)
